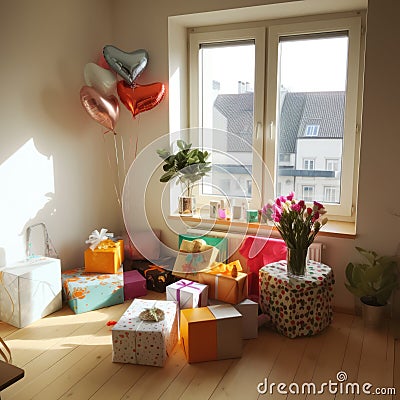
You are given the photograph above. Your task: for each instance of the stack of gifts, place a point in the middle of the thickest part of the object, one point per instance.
(102, 282)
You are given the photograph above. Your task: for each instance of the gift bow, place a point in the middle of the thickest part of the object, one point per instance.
(226, 269)
(96, 237)
(182, 285)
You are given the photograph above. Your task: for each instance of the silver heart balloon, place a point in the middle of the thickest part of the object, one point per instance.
(128, 65)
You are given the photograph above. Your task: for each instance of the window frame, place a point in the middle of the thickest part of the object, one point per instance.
(195, 40)
(265, 106)
(352, 120)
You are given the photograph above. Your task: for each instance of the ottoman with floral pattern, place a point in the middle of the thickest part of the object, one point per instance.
(297, 306)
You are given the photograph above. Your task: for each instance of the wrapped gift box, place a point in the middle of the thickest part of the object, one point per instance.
(249, 311)
(157, 277)
(30, 290)
(219, 242)
(188, 294)
(87, 291)
(134, 285)
(297, 306)
(192, 258)
(106, 258)
(145, 342)
(211, 333)
(223, 286)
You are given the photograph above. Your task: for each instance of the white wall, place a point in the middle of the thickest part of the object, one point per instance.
(53, 165)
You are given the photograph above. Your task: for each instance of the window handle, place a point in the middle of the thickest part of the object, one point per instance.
(271, 127)
(258, 128)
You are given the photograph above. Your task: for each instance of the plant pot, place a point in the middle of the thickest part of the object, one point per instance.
(186, 205)
(373, 315)
(296, 261)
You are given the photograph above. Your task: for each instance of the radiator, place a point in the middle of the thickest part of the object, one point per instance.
(235, 240)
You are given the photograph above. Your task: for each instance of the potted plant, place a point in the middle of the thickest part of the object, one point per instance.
(189, 166)
(373, 283)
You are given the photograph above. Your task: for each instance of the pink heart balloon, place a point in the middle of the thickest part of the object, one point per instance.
(104, 110)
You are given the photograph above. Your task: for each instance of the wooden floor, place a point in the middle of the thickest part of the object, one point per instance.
(68, 356)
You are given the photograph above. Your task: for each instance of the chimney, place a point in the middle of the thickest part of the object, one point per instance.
(241, 87)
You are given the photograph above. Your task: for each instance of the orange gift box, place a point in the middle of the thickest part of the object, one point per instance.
(106, 258)
(222, 285)
(198, 329)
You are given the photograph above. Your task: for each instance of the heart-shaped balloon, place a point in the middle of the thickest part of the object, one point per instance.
(140, 97)
(101, 79)
(128, 65)
(103, 110)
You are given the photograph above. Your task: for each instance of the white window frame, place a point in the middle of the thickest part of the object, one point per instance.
(309, 162)
(303, 187)
(328, 188)
(349, 175)
(266, 110)
(195, 40)
(311, 130)
(333, 161)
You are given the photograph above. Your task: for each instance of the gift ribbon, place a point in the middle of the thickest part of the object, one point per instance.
(153, 268)
(96, 237)
(226, 269)
(182, 285)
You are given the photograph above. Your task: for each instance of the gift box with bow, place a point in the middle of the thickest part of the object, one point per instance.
(194, 256)
(104, 255)
(188, 294)
(146, 333)
(226, 282)
(157, 277)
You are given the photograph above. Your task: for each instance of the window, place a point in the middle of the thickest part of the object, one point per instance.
(332, 164)
(310, 109)
(311, 130)
(308, 163)
(308, 193)
(331, 194)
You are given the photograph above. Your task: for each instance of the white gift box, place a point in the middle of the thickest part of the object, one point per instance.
(145, 342)
(30, 290)
(249, 311)
(187, 294)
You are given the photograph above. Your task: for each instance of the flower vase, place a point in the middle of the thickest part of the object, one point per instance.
(297, 261)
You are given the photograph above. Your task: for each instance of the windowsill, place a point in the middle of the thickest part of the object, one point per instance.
(337, 229)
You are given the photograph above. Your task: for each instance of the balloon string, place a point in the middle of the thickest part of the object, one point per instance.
(109, 164)
(123, 154)
(117, 161)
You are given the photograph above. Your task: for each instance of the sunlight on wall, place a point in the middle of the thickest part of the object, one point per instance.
(27, 179)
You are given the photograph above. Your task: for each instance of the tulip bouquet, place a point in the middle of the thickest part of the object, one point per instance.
(298, 226)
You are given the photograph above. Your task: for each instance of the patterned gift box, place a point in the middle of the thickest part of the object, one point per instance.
(211, 333)
(87, 291)
(106, 258)
(297, 306)
(134, 285)
(188, 294)
(223, 285)
(145, 342)
(157, 277)
(30, 290)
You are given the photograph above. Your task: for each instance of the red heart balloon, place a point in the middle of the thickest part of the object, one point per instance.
(104, 110)
(140, 98)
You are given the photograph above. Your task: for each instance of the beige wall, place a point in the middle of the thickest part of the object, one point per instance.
(53, 167)
(45, 47)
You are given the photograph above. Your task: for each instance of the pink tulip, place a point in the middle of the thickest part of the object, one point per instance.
(290, 196)
(309, 210)
(319, 205)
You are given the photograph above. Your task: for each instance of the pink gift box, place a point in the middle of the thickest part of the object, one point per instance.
(134, 285)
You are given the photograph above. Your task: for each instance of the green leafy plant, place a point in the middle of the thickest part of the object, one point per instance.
(188, 165)
(372, 282)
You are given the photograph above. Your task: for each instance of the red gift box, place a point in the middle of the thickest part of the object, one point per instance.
(134, 285)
